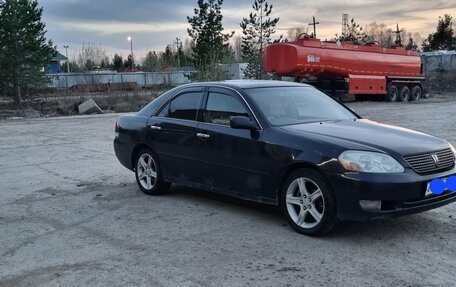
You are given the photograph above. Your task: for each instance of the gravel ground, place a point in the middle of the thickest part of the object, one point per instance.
(71, 215)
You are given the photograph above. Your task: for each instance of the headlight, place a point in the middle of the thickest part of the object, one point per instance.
(374, 162)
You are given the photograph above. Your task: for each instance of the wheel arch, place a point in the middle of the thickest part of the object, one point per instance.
(135, 152)
(289, 169)
(330, 202)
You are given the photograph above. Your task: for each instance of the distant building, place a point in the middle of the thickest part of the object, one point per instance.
(55, 64)
(235, 71)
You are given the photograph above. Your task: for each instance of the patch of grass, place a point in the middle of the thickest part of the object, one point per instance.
(441, 81)
(64, 103)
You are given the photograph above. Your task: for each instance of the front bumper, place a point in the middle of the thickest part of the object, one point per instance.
(400, 194)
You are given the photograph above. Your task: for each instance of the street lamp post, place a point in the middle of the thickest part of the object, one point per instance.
(178, 43)
(68, 60)
(130, 39)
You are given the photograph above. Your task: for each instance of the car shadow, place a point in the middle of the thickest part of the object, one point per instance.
(387, 228)
(179, 190)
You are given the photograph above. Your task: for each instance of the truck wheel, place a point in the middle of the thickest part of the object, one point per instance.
(393, 94)
(404, 94)
(416, 93)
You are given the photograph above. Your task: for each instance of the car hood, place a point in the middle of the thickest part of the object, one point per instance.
(387, 138)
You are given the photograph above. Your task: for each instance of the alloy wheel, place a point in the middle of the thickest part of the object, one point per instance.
(147, 171)
(305, 202)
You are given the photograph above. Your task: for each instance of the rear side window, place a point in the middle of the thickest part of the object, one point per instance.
(184, 106)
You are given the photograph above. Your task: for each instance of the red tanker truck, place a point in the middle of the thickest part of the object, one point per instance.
(342, 68)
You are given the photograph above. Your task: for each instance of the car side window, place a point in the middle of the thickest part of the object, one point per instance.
(184, 106)
(221, 107)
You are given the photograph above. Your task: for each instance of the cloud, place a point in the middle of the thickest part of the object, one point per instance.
(155, 24)
(136, 11)
(114, 27)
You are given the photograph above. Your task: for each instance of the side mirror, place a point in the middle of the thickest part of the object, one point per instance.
(239, 122)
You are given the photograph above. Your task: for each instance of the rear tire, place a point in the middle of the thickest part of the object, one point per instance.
(148, 173)
(308, 203)
(416, 93)
(404, 94)
(393, 94)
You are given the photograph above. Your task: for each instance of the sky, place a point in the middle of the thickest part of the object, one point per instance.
(154, 24)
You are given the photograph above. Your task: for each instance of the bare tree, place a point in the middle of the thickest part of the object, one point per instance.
(386, 37)
(91, 57)
(379, 32)
(294, 32)
(188, 47)
(236, 46)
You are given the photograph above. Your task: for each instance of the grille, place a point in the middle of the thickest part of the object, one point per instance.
(424, 162)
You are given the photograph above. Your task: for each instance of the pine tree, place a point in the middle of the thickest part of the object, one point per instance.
(167, 57)
(444, 38)
(355, 34)
(129, 63)
(209, 39)
(182, 59)
(257, 31)
(117, 62)
(151, 62)
(411, 45)
(25, 51)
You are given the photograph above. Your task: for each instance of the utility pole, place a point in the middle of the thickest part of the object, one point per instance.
(314, 24)
(178, 43)
(130, 39)
(68, 60)
(398, 41)
(260, 72)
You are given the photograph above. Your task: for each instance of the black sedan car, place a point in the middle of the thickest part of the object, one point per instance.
(286, 144)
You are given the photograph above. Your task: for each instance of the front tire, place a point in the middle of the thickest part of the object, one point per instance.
(308, 203)
(148, 174)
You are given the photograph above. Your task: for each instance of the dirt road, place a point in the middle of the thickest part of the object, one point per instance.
(71, 215)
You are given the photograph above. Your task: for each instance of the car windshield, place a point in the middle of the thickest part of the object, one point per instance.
(295, 105)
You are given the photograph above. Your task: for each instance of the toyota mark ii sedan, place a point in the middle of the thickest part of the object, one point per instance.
(285, 144)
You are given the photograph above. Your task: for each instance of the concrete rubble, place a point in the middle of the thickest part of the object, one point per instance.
(89, 107)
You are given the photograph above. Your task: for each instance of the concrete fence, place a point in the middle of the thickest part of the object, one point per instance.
(439, 61)
(142, 79)
(66, 81)
(440, 70)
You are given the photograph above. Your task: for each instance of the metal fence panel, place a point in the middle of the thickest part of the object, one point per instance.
(65, 81)
(439, 61)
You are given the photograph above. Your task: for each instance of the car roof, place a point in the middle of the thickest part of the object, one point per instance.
(249, 84)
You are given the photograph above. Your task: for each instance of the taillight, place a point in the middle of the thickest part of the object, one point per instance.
(117, 126)
(116, 129)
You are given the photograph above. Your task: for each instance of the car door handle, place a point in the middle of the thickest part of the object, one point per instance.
(155, 128)
(203, 136)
